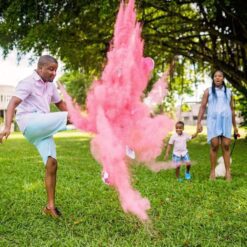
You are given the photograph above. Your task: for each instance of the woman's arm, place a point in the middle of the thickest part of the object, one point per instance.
(233, 116)
(202, 110)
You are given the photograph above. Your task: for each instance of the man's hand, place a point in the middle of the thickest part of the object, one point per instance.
(5, 133)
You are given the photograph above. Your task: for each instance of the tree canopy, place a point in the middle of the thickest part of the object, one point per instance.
(207, 34)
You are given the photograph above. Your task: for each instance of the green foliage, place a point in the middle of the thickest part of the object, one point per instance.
(53, 108)
(78, 32)
(181, 79)
(196, 213)
(198, 35)
(185, 108)
(77, 85)
(209, 34)
(241, 106)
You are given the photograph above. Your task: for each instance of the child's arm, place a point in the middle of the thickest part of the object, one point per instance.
(194, 135)
(169, 147)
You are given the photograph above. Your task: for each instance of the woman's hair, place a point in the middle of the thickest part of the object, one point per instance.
(213, 85)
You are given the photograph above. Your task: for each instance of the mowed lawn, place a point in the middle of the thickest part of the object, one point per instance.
(196, 213)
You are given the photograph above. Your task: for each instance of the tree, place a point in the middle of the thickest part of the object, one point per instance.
(77, 84)
(212, 32)
(206, 33)
(78, 32)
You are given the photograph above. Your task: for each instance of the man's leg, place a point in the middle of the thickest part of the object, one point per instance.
(45, 125)
(39, 132)
(50, 181)
(213, 156)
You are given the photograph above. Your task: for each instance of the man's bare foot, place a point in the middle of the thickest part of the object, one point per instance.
(53, 212)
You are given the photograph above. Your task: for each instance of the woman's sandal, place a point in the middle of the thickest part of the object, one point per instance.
(53, 212)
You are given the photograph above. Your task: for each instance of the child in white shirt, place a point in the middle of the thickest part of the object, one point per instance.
(180, 153)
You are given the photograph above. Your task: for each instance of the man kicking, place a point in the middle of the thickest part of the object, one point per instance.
(31, 101)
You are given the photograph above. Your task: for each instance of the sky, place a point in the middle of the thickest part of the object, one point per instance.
(12, 71)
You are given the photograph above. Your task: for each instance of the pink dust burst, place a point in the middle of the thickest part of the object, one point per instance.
(122, 124)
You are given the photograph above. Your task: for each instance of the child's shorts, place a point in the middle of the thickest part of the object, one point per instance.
(40, 131)
(178, 160)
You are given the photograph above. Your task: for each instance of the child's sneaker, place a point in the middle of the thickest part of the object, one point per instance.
(187, 176)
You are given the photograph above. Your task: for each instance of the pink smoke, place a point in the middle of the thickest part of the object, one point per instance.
(117, 115)
(158, 92)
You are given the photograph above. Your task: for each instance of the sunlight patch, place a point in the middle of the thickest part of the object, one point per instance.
(32, 186)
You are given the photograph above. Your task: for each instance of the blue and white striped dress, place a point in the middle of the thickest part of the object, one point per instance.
(219, 115)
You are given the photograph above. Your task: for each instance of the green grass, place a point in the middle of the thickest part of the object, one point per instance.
(196, 213)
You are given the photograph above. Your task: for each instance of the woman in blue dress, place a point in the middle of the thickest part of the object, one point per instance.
(220, 118)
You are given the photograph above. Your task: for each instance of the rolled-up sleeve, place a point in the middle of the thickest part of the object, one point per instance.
(23, 90)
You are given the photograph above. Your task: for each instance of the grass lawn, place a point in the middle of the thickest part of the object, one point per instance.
(196, 213)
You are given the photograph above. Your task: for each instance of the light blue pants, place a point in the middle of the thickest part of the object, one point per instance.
(41, 129)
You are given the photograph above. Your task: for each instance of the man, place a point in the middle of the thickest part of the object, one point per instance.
(32, 100)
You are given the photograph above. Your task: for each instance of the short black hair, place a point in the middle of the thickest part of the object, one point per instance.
(180, 122)
(46, 59)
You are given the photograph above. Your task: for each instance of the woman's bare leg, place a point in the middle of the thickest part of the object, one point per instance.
(225, 145)
(213, 155)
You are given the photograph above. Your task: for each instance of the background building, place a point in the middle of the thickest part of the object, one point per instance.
(6, 92)
(189, 117)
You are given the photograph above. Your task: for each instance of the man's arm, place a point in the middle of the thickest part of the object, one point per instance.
(202, 111)
(14, 102)
(61, 105)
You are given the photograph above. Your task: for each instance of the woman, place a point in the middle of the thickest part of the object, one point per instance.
(220, 118)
